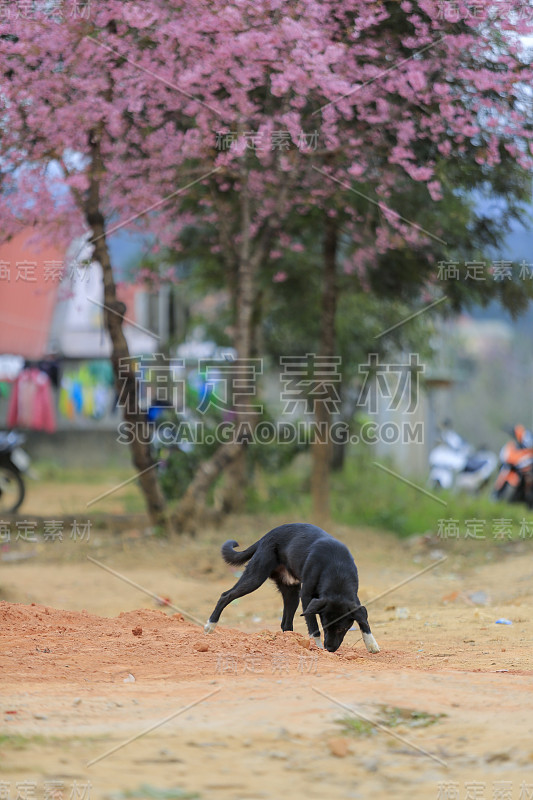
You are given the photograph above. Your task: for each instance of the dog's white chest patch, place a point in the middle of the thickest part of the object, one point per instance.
(287, 577)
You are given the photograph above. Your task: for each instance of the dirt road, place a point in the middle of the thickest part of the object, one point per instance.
(249, 712)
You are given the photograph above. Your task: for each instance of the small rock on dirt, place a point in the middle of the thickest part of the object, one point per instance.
(480, 598)
(339, 747)
(137, 631)
(278, 754)
(201, 647)
(497, 757)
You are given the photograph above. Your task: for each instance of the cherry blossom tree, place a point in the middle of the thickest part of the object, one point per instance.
(75, 121)
(395, 92)
(110, 118)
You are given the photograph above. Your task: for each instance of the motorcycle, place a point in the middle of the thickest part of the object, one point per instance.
(456, 464)
(14, 462)
(514, 482)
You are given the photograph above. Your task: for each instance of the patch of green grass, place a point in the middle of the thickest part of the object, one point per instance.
(149, 792)
(133, 501)
(389, 717)
(16, 741)
(364, 495)
(392, 716)
(281, 491)
(353, 726)
(53, 471)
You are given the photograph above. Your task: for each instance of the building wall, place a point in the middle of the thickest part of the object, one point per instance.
(79, 448)
(29, 283)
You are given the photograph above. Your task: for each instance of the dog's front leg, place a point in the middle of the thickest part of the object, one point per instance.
(361, 617)
(370, 643)
(314, 631)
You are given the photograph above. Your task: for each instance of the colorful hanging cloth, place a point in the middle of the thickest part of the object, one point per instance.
(31, 404)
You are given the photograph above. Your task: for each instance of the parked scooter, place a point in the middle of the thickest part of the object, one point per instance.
(14, 462)
(455, 464)
(514, 482)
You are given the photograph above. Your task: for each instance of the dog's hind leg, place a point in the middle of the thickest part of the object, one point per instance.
(361, 617)
(254, 576)
(291, 598)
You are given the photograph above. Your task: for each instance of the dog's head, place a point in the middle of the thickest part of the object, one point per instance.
(337, 617)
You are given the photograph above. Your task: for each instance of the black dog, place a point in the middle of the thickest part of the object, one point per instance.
(304, 561)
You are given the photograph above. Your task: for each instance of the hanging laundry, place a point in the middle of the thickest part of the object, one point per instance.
(86, 390)
(101, 401)
(65, 404)
(77, 396)
(31, 404)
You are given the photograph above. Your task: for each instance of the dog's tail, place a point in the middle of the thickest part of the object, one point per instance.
(231, 556)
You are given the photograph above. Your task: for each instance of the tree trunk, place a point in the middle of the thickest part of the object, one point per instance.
(232, 457)
(235, 476)
(186, 516)
(123, 368)
(321, 450)
(347, 414)
(338, 455)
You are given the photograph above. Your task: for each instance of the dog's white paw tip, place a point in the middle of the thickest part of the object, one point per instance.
(209, 627)
(318, 641)
(371, 645)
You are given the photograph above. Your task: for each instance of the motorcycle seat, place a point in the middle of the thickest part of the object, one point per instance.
(5, 444)
(9, 440)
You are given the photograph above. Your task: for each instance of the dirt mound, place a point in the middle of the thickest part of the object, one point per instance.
(47, 644)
